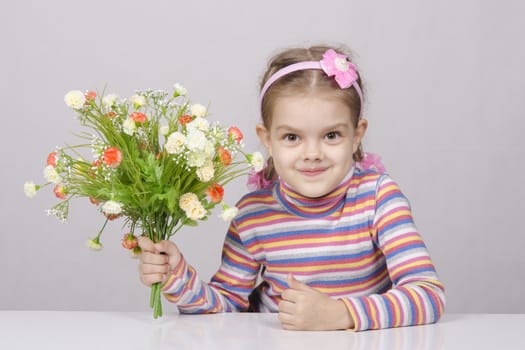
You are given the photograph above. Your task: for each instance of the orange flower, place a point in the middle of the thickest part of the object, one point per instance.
(236, 133)
(138, 117)
(111, 115)
(185, 119)
(94, 201)
(215, 192)
(60, 191)
(129, 241)
(112, 157)
(90, 96)
(52, 159)
(225, 156)
(112, 217)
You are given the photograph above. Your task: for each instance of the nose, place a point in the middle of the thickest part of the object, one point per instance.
(312, 150)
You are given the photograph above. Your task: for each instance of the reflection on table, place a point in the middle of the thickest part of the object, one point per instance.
(129, 330)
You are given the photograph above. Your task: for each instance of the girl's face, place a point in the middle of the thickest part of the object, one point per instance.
(312, 140)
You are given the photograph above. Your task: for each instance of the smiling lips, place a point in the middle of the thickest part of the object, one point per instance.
(312, 172)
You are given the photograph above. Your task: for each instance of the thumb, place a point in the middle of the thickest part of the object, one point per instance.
(293, 283)
(146, 244)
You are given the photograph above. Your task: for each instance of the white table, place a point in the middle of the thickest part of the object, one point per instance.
(73, 330)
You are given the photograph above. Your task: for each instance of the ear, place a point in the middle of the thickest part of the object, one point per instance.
(264, 137)
(359, 133)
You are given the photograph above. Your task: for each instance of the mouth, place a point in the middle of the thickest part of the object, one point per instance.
(312, 172)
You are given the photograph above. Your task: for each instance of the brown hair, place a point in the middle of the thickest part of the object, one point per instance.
(303, 82)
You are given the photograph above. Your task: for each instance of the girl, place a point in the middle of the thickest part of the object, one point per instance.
(333, 245)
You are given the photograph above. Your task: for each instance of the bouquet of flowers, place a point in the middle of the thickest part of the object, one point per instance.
(157, 162)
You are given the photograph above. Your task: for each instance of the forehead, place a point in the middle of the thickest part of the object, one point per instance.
(310, 109)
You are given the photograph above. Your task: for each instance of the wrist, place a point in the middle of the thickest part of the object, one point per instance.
(345, 320)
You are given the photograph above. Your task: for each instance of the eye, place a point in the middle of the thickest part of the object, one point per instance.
(290, 137)
(333, 135)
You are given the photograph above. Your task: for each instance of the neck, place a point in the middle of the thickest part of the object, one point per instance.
(314, 207)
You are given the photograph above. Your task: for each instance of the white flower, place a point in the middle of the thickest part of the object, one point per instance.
(257, 161)
(196, 140)
(188, 200)
(137, 100)
(196, 212)
(198, 110)
(197, 159)
(109, 100)
(51, 175)
(135, 253)
(129, 126)
(111, 208)
(180, 90)
(30, 189)
(94, 244)
(228, 213)
(164, 130)
(199, 123)
(206, 172)
(75, 99)
(209, 149)
(175, 143)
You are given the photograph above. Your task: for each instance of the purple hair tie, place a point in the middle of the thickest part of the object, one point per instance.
(333, 64)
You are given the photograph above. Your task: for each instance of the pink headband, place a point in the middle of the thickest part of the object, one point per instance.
(333, 64)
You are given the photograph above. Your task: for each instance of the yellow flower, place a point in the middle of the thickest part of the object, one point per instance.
(196, 212)
(188, 200)
(206, 172)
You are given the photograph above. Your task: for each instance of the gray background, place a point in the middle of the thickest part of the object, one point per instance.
(445, 107)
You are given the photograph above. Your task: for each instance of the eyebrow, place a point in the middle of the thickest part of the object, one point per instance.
(328, 128)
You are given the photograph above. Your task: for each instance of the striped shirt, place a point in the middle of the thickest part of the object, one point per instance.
(358, 244)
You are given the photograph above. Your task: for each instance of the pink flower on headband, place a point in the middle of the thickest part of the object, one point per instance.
(335, 64)
(371, 161)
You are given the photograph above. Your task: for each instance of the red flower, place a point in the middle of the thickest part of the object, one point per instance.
(60, 191)
(234, 132)
(130, 241)
(138, 117)
(52, 159)
(112, 157)
(90, 96)
(225, 156)
(215, 192)
(185, 119)
(111, 115)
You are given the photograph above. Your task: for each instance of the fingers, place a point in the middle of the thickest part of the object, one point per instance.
(153, 267)
(286, 321)
(167, 247)
(157, 260)
(153, 258)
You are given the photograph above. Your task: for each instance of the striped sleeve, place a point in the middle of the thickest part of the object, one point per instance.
(417, 296)
(229, 288)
